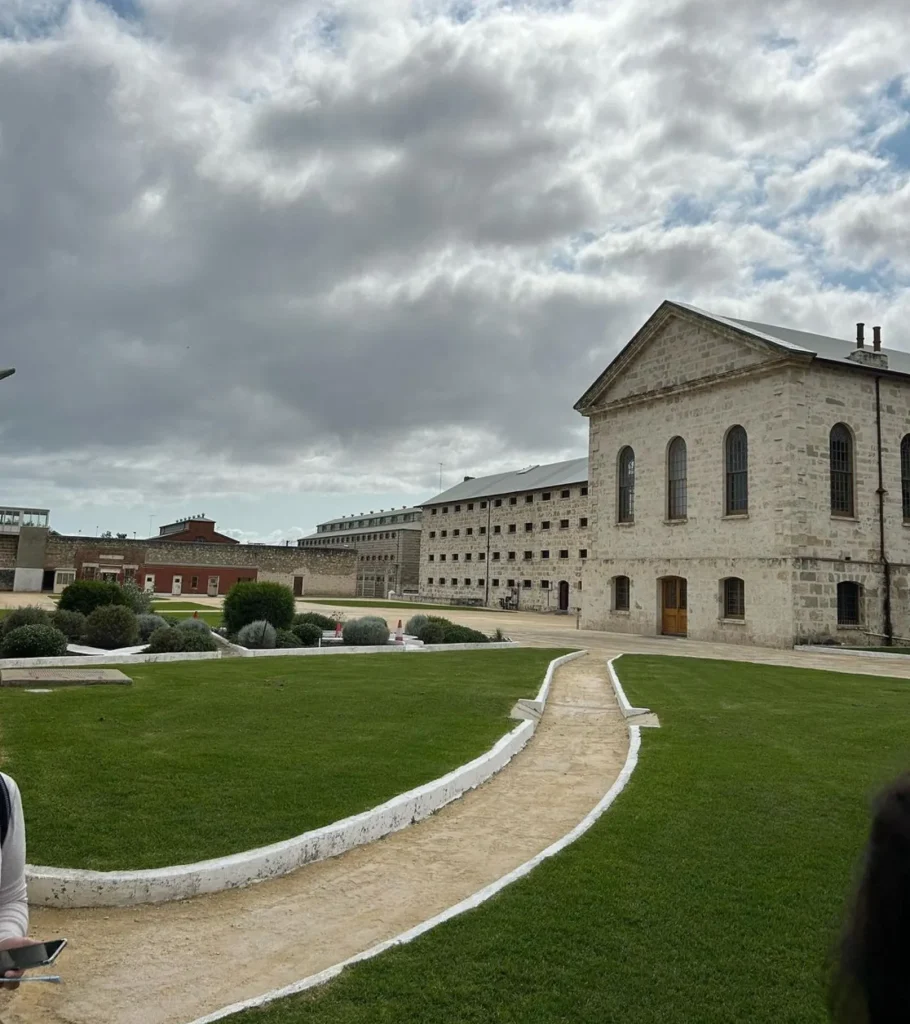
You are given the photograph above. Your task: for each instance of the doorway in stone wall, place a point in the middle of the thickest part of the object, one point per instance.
(563, 595)
(674, 618)
(298, 586)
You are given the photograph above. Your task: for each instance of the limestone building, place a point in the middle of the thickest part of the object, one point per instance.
(515, 539)
(750, 483)
(387, 544)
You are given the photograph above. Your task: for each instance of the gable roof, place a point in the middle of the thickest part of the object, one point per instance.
(783, 340)
(553, 474)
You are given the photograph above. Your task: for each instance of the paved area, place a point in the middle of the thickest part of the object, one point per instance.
(171, 963)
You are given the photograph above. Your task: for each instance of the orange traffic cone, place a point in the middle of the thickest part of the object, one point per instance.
(399, 634)
(195, 615)
(337, 629)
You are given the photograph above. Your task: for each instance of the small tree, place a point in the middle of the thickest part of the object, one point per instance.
(87, 595)
(253, 602)
(112, 626)
(34, 641)
(28, 615)
(257, 636)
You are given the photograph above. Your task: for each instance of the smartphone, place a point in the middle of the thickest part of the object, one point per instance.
(37, 954)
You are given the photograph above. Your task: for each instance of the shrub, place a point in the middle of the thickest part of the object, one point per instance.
(255, 602)
(171, 620)
(464, 635)
(415, 624)
(87, 595)
(34, 641)
(112, 626)
(432, 633)
(308, 634)
(28, 615)
(193, 640)
(71, 624)
(366, 632)
(440, 621)
(164, 640)
(315, 619)
(199, 625)
(137, 598)
(286, 638)
(258, 636)
(499, 637)
(148, 624)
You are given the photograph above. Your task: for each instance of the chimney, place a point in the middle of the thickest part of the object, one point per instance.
(876, 358)
(876, 339)
(860, 342)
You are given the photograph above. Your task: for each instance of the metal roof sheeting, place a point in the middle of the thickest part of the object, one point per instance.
(535, 478)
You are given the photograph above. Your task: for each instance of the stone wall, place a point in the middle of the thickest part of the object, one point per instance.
(484, 545)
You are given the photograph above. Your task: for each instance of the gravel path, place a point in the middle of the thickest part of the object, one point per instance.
(171, 963)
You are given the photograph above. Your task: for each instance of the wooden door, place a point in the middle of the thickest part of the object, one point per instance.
(674, 606)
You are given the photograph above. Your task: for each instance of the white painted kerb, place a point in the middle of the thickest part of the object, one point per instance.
(315, 980)
(69, 887)
(624, 706)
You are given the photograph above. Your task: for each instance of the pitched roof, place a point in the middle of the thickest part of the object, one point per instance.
(534, 478)
(784, 339)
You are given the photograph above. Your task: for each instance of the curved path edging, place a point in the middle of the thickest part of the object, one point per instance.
(70, 887)
(628, 711)
(315, 980)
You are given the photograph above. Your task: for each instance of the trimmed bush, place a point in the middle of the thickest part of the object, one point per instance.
(440, 621)
(199, 625)
(258, 636)
(137, 598)
(324, 622)
(286, 638)
(432, 633)
(464, 635)
(369, 631)
(165, 640)
(87, 595)
(172, 619)
(112, 626)
(193, 640)
(34, 641)
(28, 615)
(255, 602)
(148, 624)
(71, 624)
(308, 634)
(415, 624)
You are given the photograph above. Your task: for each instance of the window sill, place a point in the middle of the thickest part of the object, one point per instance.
(625, 526)
(733, 622)
(735, 515)
(676, 522)
(624, 612)
(843, 519)
(849, 627)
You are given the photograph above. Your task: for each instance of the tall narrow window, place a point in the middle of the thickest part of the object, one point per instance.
(627, 485)
(841, 467)
(676, 479)
(737, 459)
(734, 598)
(905, 474)
(849, 603)
(621, 590)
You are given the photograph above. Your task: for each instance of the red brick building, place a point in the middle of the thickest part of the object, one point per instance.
(194, 528)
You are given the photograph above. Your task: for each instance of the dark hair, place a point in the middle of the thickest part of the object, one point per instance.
(871, 980)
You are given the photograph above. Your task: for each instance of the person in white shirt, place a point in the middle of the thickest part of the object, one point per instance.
(13, 893)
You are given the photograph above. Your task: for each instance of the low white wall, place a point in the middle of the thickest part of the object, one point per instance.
(106, 659)
(625, 707)
(296, 652)
(69, 887)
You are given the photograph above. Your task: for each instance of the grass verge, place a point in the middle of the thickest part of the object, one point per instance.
(711, 891)
(203, 759)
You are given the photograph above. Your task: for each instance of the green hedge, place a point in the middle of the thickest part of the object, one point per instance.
(34, 641)
(87, 595)
(252, 602)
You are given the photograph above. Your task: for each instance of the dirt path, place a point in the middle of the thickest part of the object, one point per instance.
(183, 961)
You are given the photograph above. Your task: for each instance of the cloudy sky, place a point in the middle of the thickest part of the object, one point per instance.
(276, 260)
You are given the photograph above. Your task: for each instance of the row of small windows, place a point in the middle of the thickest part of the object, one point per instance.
(377, 558)
(467, 582)
(513, 500)
(496, 556)
(546, 524)
(355, 524)
(733, 599)
(360, 539)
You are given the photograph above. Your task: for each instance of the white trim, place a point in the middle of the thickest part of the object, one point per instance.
(459, 908)
(624, 706)
(69, 887)
(850, 652)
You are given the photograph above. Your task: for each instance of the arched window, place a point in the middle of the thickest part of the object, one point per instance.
(734, 598)
(621, 591)
(626, 477)
(849, 604)
(905, 474)
(841, 468)
(676, 479)
(736, 456)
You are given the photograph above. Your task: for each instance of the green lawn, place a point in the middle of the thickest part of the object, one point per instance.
(202, 759)
(180, 606)
(417, 606)
(213, 618)
(710, 892)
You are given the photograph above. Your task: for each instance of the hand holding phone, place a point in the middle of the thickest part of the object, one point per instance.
(18, 955)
